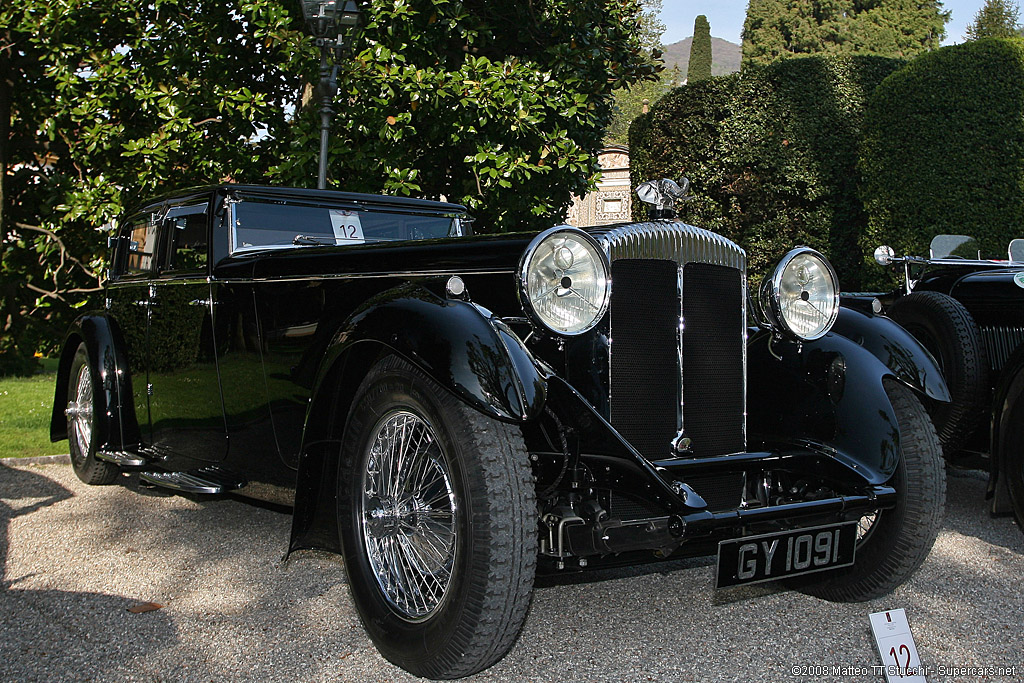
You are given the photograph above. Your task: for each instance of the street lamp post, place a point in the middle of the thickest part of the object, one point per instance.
(327, 21)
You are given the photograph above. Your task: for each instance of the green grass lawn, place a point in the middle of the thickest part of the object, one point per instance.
(25, 404)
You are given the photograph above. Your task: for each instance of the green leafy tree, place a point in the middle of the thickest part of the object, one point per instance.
(700, 51)
(893, 28)
(499, 107)
(629, 102)
(996, 19)
(102, 102)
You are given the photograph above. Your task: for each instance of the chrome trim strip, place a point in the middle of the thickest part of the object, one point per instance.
(355, 276)
(683, 244)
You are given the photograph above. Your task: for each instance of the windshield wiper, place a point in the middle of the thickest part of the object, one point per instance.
(311, 239)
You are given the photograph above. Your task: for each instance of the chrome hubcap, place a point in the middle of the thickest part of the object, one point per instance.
(408, 515)
(79, 412)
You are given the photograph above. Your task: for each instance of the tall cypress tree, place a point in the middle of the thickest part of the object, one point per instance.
(893, 28)
(700, 51)
(996, 19)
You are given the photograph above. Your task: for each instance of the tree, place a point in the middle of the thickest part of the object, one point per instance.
(894, 28)
(996, 19)
(628, 102)
(700, 51)
(498, 107)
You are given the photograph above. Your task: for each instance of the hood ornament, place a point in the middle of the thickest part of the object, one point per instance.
(661, 196)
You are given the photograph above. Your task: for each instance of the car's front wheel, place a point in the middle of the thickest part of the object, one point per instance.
(81, 416)
(437, 515)
(893, 543)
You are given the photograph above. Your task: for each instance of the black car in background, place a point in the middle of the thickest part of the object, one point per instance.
(457, 412)
(968, 311)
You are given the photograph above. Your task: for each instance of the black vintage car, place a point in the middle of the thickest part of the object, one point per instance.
(968, 311)
(456, 412)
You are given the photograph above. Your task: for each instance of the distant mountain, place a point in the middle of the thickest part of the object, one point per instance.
(725, 56)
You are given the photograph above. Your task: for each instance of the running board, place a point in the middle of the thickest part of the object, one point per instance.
(203, 480)
(122, 458)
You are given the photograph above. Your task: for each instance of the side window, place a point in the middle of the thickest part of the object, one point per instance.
(141, 245)
(186, 228)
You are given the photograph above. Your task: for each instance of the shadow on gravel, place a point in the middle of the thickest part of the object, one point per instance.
(52, 635)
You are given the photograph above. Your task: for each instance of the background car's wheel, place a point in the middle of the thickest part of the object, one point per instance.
(893, 543)
(437, 513)
(948, 331)
(1012, 465)
(81, 414)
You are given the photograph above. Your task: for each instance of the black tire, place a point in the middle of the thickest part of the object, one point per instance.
(81, 415)
(894, 544)
(476, 583)
(948, 331)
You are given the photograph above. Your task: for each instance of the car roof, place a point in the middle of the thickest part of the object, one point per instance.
(278, 192)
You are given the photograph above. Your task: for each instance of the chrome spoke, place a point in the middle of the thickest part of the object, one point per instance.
(409, 515)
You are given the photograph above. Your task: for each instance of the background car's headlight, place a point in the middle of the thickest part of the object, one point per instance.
(802, 296)
(564, 280)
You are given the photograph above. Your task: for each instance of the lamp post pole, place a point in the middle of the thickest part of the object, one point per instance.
(327, 20)
(328, 89)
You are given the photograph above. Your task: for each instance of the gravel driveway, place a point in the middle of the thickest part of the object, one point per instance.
(73, 558)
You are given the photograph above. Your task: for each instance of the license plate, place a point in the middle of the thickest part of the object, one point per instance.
(789, 553)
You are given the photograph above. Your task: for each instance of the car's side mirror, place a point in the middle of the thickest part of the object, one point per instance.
(884, 255)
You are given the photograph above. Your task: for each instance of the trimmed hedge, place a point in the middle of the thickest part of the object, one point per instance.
(771, 154)
(943, 149)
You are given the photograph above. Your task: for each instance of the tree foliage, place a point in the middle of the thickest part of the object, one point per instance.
(943, 149)
(894, 28)
(699, 66)
(995, 19)
(629, 102)
(771, 154)
(499, 106)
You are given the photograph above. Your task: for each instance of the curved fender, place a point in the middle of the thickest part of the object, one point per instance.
(829, 393)
(461, 346)
(909, 362)
(117, 426)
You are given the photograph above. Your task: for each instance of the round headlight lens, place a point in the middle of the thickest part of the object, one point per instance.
(565, 280)
(804, 294)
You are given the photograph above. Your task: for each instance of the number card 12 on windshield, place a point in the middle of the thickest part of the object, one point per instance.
(896, 647)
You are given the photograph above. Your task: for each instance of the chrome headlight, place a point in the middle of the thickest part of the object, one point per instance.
(802, 296)
(564, 281)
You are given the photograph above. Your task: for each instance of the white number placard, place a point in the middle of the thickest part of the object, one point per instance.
(896, 647)
(347, 228)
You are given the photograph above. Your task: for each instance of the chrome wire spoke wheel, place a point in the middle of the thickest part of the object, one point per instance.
(408, 515)
(79, 411)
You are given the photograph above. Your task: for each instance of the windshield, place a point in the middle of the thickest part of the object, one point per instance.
(260, 224)
(954, 246)
(965, 247)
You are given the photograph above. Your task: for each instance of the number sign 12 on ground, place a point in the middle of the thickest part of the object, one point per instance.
(900, 661)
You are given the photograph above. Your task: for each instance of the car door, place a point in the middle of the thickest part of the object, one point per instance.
(128, 303)
(185, 408)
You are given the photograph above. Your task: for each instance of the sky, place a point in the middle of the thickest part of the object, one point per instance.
(726, 18)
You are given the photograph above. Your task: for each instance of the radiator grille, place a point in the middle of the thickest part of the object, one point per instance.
(645, 353)
(713, 372)
(1000, 342)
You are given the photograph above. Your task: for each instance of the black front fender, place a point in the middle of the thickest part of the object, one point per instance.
(830, 394)
(461, 346)
(116, 425)
(896, 348)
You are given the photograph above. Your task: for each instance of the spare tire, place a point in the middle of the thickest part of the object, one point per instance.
(947, 330)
